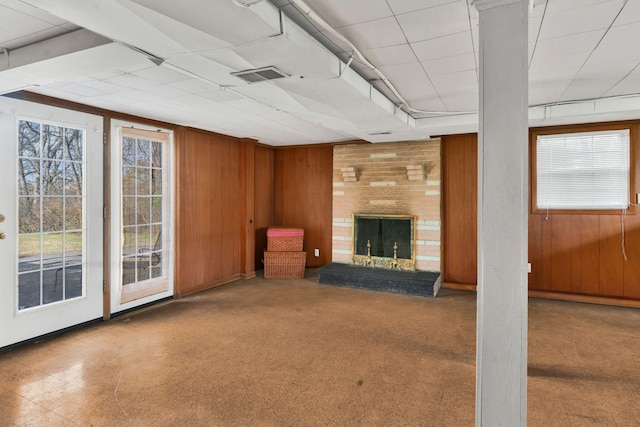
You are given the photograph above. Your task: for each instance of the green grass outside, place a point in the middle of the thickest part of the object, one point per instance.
(51, 243)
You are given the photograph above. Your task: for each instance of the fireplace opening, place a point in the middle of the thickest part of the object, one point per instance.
(384, 241)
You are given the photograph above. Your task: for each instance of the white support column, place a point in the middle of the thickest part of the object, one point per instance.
(501, 359)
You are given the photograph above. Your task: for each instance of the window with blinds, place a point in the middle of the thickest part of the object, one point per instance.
(585, 171)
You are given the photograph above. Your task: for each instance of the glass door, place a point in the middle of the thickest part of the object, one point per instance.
(142, 212)
(51, 207)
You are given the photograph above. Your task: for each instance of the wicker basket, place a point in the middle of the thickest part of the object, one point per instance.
(284, 239)
(284, 265)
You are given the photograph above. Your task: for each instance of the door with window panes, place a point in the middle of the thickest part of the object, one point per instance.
(142, 213)
(51, 212)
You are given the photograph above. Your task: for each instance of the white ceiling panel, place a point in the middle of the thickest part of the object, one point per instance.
(339, 13)
(555, 6)
(630, 84)
(547, 86)
(102, 86)
(454, 83)
(547, 50)
(205, 90)
(16, 25)
(404, 6)
(450, 64)
(391, 55)
(630, 13)
(441, 47)
(81, 90)
(373, 34)
(160, 75)
(31, 11)
(438, 21)
(568, 63)
(579, 20)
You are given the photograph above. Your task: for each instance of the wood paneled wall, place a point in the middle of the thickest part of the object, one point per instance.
(211, 203)
(570, 253)
(264, 188)
(303, 180)
(459, 209)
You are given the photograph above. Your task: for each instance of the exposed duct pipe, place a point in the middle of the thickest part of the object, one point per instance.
(313, 16)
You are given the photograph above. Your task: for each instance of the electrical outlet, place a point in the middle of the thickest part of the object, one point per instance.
(317, 252)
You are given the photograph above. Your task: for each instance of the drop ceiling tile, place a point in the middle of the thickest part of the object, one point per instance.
(81, 90)
(390, 55)
(463, 102)
(103, 86)
(630, 13)
(561, 52)
(453, 83)
(26, 9)
(449, 18)
(404, 6)
(593, 17)
(554, 6)
(441, 47)
(374, 34)
(205, 90)
(450, 64)
(628, 85)
(15, 25)
(431, 104)
(411, 81)
(339, 13)
(570, 62)
(588, 86)
(130, 81)
(160, 75)
(612, 60)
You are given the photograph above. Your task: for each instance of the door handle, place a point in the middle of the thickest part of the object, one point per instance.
(3, 235)
(1, 218)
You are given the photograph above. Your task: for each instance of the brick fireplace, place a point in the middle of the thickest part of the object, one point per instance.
(398, 178)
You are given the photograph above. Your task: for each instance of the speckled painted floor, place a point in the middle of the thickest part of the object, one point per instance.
(292, 352)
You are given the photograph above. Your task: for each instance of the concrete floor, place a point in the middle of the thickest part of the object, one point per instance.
(292, 352)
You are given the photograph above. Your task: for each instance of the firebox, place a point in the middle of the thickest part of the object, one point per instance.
(384, 241)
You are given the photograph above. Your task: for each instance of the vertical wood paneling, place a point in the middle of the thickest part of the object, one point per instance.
(577, 253)
(545, 254)
(632, 264)
(470, 228)
(560, 251)
(303, 179)
(576, 259)
(264, 200)
(247, 179)
(590, 251)
(209, 210)
(459, 198)
(535, 250)
(611, 281)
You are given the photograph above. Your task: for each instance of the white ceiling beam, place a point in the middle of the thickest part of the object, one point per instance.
(65, 44)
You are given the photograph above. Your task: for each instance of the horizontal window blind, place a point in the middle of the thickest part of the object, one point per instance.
(587, 170)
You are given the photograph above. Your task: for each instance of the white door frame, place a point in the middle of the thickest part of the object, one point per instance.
(15, 325)
(116, 219)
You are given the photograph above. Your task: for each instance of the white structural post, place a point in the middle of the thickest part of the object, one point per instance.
(501, 359)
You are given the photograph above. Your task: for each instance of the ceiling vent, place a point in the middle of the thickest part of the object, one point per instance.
(260, 74)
